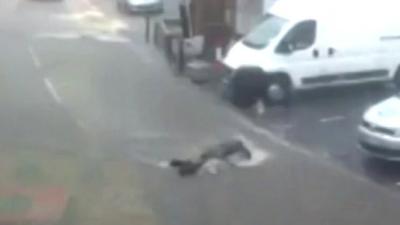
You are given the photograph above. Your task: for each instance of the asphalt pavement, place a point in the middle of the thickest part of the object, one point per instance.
(89, 106)
(325, 122)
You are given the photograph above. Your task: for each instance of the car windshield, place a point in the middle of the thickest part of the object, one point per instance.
(262, 34)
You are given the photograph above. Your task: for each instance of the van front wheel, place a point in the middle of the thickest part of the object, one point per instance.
(277, 90)
(239, 94)
(243, 88)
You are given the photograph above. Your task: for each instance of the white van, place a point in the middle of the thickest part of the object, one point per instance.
(305, 44)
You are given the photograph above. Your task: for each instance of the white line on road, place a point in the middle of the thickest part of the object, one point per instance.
(52, 90)
(112, 38)
(34, 57)
(332, 119)
(65, 35)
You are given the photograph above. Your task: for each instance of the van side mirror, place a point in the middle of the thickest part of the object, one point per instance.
(285, 47)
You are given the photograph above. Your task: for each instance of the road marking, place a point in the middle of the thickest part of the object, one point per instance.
(34, 57)
(112, 38)
(332, 119)
(65, 35)
(52, 90)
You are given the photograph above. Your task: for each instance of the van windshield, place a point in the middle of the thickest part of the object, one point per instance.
(261, 35)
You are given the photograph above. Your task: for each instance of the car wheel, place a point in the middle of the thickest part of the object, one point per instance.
(241, 90)
(277, 91)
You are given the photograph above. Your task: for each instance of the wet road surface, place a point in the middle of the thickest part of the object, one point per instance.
(89, 107)
(325, 122)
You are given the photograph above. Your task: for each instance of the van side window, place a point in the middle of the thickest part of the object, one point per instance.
(301, 36)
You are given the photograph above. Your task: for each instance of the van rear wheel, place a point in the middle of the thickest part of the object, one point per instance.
(277, 91)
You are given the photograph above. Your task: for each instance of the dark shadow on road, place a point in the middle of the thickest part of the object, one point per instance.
(381, 171)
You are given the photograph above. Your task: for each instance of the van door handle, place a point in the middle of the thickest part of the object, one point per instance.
(315, 53)
(331, 51)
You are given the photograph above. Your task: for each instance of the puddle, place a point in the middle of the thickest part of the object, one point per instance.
(258, 155)
(95, 20)
(257, 158)
(163, 164)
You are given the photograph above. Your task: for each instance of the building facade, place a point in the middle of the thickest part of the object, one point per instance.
(249, 13)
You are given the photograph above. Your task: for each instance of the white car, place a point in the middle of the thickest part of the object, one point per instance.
(379, 132)
(140, 6)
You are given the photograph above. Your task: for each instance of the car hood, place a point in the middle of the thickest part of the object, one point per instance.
(142, 2)
(240, 55)
(385, 113)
